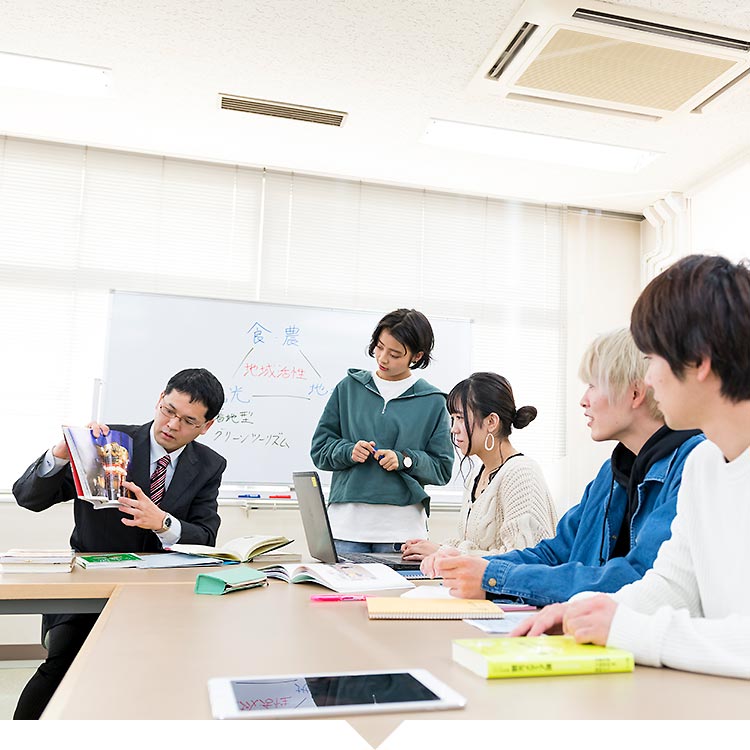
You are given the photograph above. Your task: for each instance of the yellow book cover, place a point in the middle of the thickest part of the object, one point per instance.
(399, 608)
(540, 656)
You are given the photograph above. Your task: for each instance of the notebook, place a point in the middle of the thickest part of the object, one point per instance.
(312, 506)
(399, 608)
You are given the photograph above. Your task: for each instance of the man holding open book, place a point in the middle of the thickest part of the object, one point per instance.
(174, 484)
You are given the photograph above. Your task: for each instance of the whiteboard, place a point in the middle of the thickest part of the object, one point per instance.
(278, 365)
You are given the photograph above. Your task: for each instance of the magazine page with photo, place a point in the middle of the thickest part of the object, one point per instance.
(99, 464)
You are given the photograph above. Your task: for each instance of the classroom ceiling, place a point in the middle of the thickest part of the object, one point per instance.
(389, 64)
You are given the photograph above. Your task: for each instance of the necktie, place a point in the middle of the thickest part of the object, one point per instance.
(158, 478)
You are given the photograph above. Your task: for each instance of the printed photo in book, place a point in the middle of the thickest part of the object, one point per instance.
(99, 465)
(344, 578)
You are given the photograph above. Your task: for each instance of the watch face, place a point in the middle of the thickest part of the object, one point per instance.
(167, 522)
(407, 462)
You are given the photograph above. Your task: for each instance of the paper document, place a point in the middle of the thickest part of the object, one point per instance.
(500, 627)
(427, 591)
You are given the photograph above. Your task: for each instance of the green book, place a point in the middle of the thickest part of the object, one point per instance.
(230, 579)
(540, 656)
(116, 560)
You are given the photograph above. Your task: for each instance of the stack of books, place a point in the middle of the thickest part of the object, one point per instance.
(37, 561)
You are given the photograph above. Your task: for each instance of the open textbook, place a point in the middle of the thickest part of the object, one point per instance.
(243, 549)
(345, 578)
(99, 465)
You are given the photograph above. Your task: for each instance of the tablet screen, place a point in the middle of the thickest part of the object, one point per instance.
(334, 690)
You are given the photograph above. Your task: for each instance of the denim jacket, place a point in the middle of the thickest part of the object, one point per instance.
(576, 558)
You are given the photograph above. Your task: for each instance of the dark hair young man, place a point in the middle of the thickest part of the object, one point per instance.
(187, 511)
(689, 611)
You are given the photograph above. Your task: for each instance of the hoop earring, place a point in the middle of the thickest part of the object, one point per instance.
(488, 448)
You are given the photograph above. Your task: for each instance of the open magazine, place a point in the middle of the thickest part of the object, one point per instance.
(345, 578)
(99, 465)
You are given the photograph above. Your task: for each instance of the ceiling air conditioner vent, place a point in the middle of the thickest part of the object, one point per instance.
(282, 109)
(659, 28)
(637, 63)
(502, 62)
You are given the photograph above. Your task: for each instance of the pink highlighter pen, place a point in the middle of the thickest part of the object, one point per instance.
(337, 598)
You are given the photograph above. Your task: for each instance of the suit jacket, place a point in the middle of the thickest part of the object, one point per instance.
(191, 498)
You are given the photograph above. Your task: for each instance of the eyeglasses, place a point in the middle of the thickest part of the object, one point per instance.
(171, 414)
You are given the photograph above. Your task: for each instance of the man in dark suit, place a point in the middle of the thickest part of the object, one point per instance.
(182, 476)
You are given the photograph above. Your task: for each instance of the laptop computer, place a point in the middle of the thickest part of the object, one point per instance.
(312, 507)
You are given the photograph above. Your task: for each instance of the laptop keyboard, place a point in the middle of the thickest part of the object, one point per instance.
(392, 561)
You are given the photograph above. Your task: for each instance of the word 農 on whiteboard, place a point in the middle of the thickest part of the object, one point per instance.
(274, 368)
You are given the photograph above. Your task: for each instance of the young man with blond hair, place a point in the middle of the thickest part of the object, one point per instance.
(612, 536)
(691, 611)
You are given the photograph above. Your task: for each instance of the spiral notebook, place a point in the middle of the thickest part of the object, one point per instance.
(398, 608)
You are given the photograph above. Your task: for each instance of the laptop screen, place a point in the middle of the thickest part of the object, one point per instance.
(312, 507)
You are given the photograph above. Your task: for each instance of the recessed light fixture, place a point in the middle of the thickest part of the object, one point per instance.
(56, 76)
(515, 144)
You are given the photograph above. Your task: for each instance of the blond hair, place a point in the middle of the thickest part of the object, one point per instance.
(613, 362)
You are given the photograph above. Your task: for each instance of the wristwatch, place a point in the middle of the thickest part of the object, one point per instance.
(166, 525)
(408, 463)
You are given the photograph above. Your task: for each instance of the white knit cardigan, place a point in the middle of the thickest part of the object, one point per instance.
(515, 511)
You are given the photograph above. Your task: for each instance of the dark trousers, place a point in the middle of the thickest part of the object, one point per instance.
(64, 641)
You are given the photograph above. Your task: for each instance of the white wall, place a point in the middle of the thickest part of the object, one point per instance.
(603, 283)
(720, 221)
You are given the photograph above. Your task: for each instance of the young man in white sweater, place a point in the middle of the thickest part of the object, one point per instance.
(691, 610)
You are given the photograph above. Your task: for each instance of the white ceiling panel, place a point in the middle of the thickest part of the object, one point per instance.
(390, 65)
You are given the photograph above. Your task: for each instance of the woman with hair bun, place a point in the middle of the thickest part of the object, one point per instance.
(507, 504)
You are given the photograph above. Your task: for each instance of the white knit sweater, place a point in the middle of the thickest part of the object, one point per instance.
(514, 511)
(692, 610)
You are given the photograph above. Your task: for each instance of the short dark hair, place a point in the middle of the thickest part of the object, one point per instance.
(201, 386)
(699, 307)
(483, 393)
(411, 329)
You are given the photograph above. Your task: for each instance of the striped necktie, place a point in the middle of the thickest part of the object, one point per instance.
(158, 478)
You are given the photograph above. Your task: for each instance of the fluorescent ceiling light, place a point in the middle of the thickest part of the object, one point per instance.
(515, 144)
(56, 76)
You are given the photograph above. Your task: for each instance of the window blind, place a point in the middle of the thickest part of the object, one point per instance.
(76, 222)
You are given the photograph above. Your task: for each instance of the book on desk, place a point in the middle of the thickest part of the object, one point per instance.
(37, 561)
(242, 549)
(344, 578)
(540, 656)
(400, 608)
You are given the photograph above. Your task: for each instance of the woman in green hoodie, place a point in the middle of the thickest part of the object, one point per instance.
(385, 435)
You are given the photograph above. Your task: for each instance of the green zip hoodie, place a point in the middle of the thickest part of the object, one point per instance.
(415, 424)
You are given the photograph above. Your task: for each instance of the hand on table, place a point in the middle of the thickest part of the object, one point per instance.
(587, 620)
(418, 549)
(461, 574)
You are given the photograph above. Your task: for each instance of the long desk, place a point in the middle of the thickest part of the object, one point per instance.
(154, 632)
